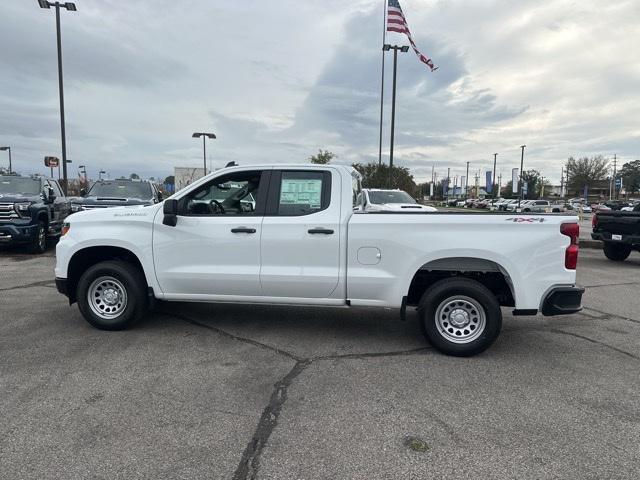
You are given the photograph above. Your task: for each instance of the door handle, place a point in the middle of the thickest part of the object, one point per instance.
(324, 231)
(243, 230)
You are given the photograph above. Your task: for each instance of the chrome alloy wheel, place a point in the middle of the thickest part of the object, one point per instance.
(460, 319)
(107, 297)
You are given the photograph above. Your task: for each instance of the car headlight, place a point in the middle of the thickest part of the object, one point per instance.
(65, 229)
(22, 208)
(76, 207)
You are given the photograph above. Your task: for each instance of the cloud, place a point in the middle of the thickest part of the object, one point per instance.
(277, 84)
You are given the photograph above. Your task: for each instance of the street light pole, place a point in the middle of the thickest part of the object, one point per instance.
(71, 7)
(520, 177)
(493, 174)
(466, 188)
(9, 150)
(204, 136)
(395, 49)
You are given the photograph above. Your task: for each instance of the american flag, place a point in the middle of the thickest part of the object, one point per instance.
(397, 23)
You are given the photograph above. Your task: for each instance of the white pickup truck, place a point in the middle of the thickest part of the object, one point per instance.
(290, 235)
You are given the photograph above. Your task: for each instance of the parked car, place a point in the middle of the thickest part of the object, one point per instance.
(378, 200)
(619, 232)
(512, 207)
(304, 244)
(32, 209)
(502, 205)
(542, 206)
(117, 193)
(585, 208)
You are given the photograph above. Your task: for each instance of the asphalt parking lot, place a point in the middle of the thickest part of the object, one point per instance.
(223, 391)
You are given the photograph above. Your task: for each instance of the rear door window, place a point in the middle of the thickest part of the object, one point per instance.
(296, 193)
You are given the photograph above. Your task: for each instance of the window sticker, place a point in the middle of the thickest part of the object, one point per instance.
(301, 192)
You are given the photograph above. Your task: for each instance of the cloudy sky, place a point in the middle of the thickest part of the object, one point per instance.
(276, 81)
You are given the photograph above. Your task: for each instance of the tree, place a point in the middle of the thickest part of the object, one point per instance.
(630, 173)
(134, 176)
(585, 171)
(533, 180)
(377, 176)
(170, 180)
(322, 157)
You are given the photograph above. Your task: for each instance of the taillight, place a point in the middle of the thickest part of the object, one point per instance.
(571, 230)
(65, 229)
(594, 221)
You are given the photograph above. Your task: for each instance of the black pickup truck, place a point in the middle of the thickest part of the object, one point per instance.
(619, 231)
(117, 193)
(31, 209)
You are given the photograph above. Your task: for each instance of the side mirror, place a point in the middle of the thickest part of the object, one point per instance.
(160, 196)
(83, 192)
(49, 195)
(170, 210)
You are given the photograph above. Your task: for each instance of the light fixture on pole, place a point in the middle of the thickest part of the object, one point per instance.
(100, 173)
(70, 7)
(405, 48)
(204, 136)
(9, 150)
(83, 170)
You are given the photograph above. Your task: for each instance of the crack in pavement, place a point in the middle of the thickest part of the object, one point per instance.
(250, 461)
(41, 283)
(611, 285)
(597, 342)
(608, 315)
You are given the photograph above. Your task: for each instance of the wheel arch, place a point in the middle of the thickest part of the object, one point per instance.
(84, 258)
(489, 272)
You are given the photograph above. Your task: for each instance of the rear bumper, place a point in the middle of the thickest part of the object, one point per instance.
(12, 234)
(626, 239)
(562, 301)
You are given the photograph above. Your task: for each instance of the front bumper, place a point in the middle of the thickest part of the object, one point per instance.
(562, 301)
(61, 285)
(12, 234)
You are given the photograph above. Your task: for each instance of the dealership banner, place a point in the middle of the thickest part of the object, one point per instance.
(489, 183)
(514, 180)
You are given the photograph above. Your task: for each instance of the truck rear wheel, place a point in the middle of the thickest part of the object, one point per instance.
(460, 316)
(617, 253)
(112, 295)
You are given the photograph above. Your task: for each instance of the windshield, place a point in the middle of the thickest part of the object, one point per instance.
(389, 196)
(121, 189)
(25, 186)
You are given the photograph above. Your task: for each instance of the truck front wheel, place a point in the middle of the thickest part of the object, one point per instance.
(460, 316)
(111, 295)
(39, 242)
(616, 252)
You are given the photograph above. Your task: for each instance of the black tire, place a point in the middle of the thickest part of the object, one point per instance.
(112, 278)
(616, 252)
(469, 301)
(39, 244)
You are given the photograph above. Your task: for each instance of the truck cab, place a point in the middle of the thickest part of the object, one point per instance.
(117, 193)
(32, 209)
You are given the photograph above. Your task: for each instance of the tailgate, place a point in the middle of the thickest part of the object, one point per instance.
(620, 223)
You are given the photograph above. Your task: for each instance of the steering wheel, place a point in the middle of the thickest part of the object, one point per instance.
(216, 207)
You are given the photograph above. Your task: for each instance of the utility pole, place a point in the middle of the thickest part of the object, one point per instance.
(562, 183)
(493, 174)
(448, 180)
(615, 172)
(466, 188)
(541, 187)
(520, 178)
(395, 49)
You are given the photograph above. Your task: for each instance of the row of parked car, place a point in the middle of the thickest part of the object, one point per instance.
(33, 208)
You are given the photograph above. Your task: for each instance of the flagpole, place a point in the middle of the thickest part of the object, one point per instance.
(384, 39)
